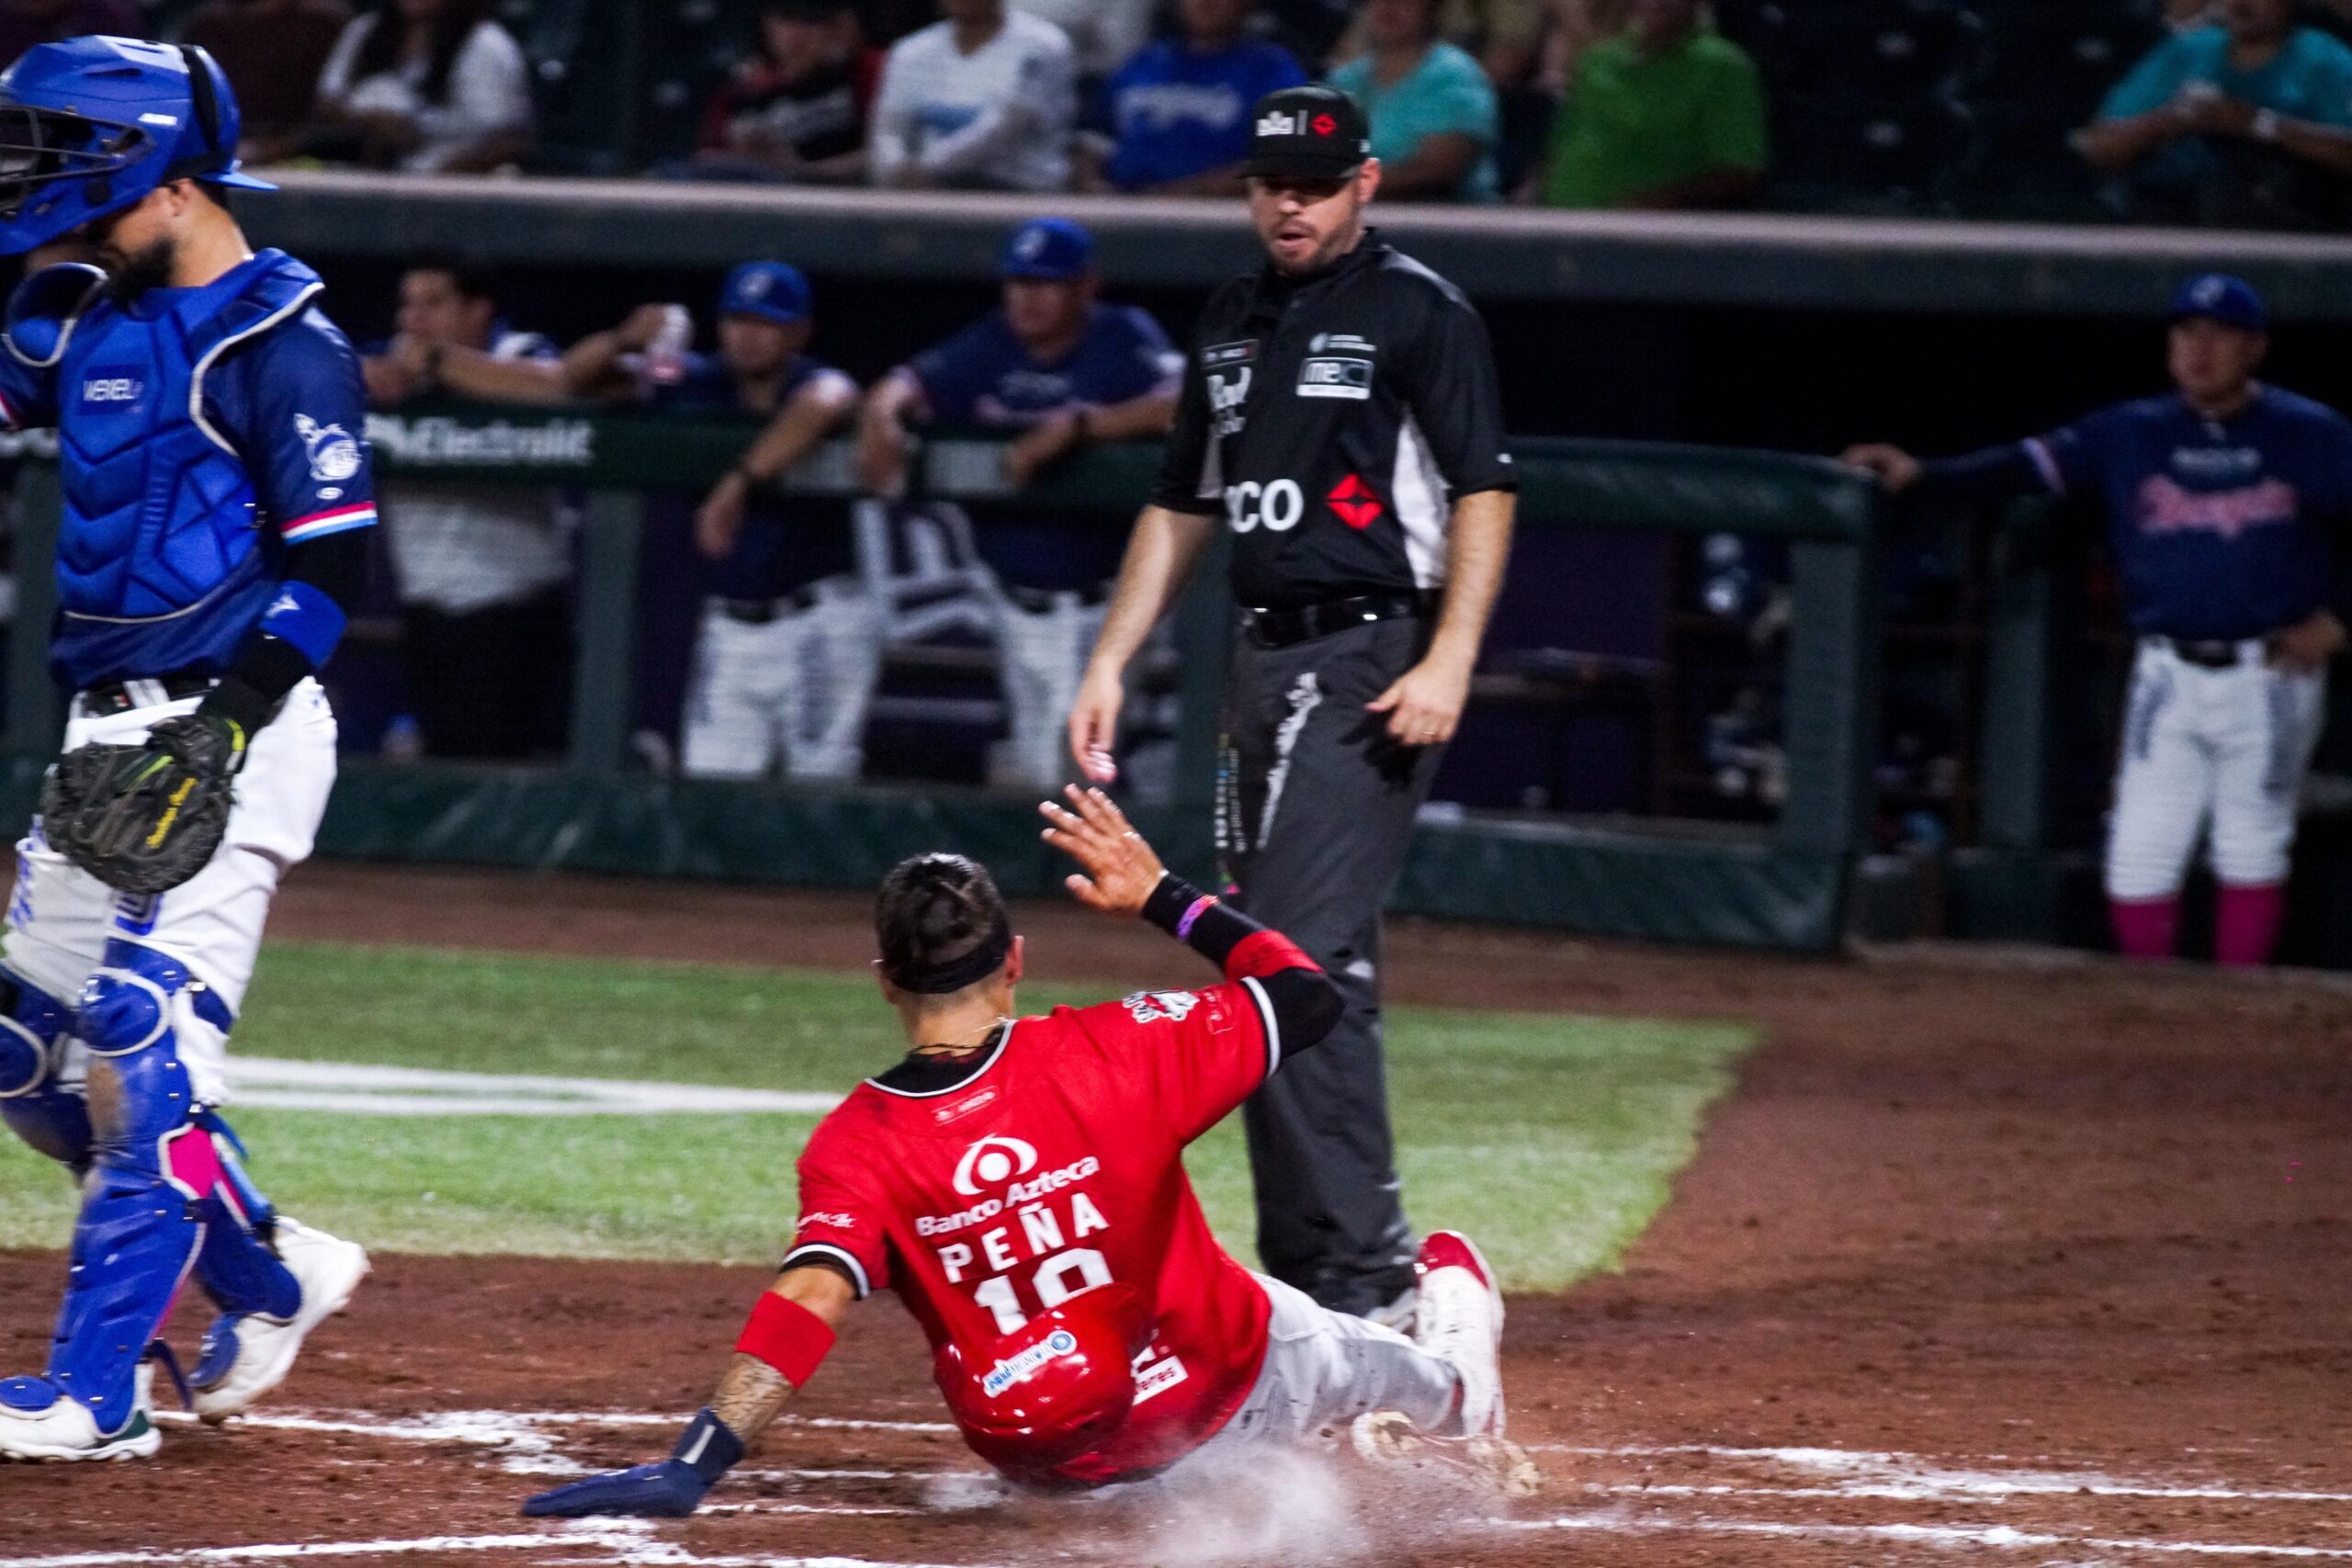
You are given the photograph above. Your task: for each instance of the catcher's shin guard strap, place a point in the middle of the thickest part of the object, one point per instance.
(788, 1336)
(707, 1447)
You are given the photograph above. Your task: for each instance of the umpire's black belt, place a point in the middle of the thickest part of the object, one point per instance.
(1280, 628)
(2204, 655)
(126, 696)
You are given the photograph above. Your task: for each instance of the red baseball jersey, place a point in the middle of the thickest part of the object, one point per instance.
(1055, 1166)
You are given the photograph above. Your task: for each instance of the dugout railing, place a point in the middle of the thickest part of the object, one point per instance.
(1784, 886)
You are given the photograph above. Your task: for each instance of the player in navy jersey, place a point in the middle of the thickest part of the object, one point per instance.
(213, 459)
(790, 643)
(1057, 369)
(2224, 499)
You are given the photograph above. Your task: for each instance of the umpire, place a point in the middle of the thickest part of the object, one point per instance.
(1340, 409)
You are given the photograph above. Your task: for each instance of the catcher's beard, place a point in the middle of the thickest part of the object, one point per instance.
(149, 266)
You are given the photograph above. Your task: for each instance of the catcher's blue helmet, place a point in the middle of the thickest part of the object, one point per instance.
(89, 126)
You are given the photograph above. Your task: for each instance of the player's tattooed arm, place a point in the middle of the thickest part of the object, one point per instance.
(751, 1395)
(755, 1388)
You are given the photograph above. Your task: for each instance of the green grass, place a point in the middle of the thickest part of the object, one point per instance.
(1552, 1139)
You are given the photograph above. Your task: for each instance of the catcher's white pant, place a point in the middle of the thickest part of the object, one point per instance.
(1324, 1369)
(796, 688)
(1042, 656)
(61, 918)
(2220, 751)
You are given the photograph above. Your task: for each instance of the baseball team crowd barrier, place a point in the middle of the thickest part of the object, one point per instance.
(1783, 886)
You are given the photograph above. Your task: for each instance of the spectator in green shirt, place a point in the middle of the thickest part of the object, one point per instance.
(1433, 115)
(2245, 121)
(1667, 114)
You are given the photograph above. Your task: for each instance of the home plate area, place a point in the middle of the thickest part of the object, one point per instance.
(851, 1491)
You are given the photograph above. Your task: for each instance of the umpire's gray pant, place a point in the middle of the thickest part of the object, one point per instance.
(1315, 808)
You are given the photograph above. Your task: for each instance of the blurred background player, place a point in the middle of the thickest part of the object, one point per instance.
(196, 389)
(2224, 502)
(1057, 369)
(1103, 1335)
(483, 570)
(1342, 418)
(790, 644)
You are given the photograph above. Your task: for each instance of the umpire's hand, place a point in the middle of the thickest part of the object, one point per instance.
(1121, 869)
(1424, 705)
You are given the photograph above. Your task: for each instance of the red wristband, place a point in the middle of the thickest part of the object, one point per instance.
(1261, 953)
(788, 1336)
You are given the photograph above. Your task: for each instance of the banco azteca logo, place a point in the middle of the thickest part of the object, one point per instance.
(993, 1162)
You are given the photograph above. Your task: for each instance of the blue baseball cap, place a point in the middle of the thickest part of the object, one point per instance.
(2218, 297)
(772, 290)
(1052, 249)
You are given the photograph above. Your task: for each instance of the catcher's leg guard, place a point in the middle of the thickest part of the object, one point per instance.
(141, 1219)
(37, 1107)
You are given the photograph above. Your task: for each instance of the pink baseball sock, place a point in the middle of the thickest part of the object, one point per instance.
(2145, 927)
(2246, 923)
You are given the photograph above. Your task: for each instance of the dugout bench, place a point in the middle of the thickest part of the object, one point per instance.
(1785, 886)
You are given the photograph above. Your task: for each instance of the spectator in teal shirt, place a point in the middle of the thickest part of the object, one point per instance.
(2249, 121)
(1434, 120)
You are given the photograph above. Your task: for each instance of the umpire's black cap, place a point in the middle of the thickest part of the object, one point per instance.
(1307, 132)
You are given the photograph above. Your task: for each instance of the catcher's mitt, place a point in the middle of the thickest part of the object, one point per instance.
(144, 819)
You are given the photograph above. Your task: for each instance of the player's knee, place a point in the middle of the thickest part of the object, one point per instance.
(126, 1005)
(31, 1022)
(2137, 870)
(2250, 859)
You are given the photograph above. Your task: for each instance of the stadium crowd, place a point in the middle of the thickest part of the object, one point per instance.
(2218, 111)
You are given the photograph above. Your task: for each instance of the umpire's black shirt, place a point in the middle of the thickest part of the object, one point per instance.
(1336, 418)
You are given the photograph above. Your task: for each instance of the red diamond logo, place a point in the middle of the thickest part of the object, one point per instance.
(1325, 125)
(1353, 501)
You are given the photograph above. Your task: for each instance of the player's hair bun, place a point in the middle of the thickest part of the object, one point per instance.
(940, 923)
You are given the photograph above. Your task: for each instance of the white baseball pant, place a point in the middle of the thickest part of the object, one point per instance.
(2220, 752)
(795, 688)
(61, 918)
(1324, 1369)
(1042, 656)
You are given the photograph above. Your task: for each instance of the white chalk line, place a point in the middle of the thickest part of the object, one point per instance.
(520, 1429)
(531, 1446)
(2003, 1536)
(359, 1088)
(624, 1547)
(1912, 1478)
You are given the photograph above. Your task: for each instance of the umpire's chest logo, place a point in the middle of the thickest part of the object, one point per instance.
(1335, 376)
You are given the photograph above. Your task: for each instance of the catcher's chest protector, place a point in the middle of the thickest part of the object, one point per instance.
(159, 507)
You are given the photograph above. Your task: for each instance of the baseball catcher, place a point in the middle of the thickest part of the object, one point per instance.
(1019, 1181)
(216, 484)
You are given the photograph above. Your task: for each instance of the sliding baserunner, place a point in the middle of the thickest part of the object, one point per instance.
(1019, 1181)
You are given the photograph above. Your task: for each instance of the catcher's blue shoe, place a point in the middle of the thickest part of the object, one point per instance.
(40, 1423)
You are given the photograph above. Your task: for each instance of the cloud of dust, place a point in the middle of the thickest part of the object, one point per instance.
(1298, 1507)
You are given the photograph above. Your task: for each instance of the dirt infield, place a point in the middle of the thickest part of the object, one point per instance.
(2031, 1262)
